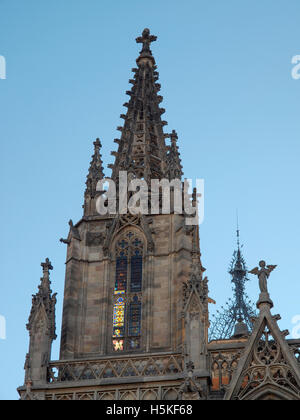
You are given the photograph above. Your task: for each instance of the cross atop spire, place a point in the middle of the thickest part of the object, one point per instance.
(47, 266)
(146, 40)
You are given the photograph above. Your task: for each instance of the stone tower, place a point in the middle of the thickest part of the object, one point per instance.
(135, 313)
(135, 306)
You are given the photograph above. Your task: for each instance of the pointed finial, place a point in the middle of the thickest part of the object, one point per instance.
(95, 170)
(173, 137)
(146, 40)
(47, 266)
(44, 287)
(237, 230)
(97, 144)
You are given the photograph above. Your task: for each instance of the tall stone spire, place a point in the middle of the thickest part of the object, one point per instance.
(142, 149)
(239, 309)
(41, 327)
(95, 174)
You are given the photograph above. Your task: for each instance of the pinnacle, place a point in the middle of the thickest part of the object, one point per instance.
(174, 161)
(47, 266)
(95, 170)
(146, 40)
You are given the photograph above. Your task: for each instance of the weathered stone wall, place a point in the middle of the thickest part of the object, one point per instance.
(87, 314)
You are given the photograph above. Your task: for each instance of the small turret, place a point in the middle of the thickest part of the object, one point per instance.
(174, 161)
(41, 327)
(95, 174)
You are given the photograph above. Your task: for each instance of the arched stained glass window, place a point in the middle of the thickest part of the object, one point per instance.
(127, 305)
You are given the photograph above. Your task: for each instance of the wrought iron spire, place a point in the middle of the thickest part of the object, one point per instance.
(240, 308)
(142, 150)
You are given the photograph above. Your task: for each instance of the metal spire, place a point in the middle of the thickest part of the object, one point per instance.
(239, 308)
(237, 229)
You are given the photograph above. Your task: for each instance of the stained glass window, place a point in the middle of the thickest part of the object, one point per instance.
(119, 317)
(118, 345)
(134, 343)
(136, 273)
(121, 275)
(127, 306)
(135, 310)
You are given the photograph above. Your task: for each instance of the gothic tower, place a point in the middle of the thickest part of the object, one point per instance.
(135, 310)
(135, 313)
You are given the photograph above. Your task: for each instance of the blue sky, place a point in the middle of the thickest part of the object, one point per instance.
(225, 70)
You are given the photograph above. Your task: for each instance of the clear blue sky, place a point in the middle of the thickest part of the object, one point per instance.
(225, 69)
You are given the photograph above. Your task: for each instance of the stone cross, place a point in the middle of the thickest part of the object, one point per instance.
(146, 40)
(47, 266)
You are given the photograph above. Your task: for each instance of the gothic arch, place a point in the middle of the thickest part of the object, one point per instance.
(194, 304)
(128, 396)
(149, 395)
(107, 396)
(268, 368)
(170, 394)
(128, 221)
(271, 392)
(122, 232)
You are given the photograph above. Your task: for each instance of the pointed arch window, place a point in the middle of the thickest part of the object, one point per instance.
(127, 295)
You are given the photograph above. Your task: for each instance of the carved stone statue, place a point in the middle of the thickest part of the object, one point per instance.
(263, 274)
(190, 389)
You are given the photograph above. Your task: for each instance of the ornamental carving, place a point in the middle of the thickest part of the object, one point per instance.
(94, 239)
(268, 366)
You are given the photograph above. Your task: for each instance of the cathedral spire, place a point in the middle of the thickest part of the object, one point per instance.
(239, 309)
(142, 149)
